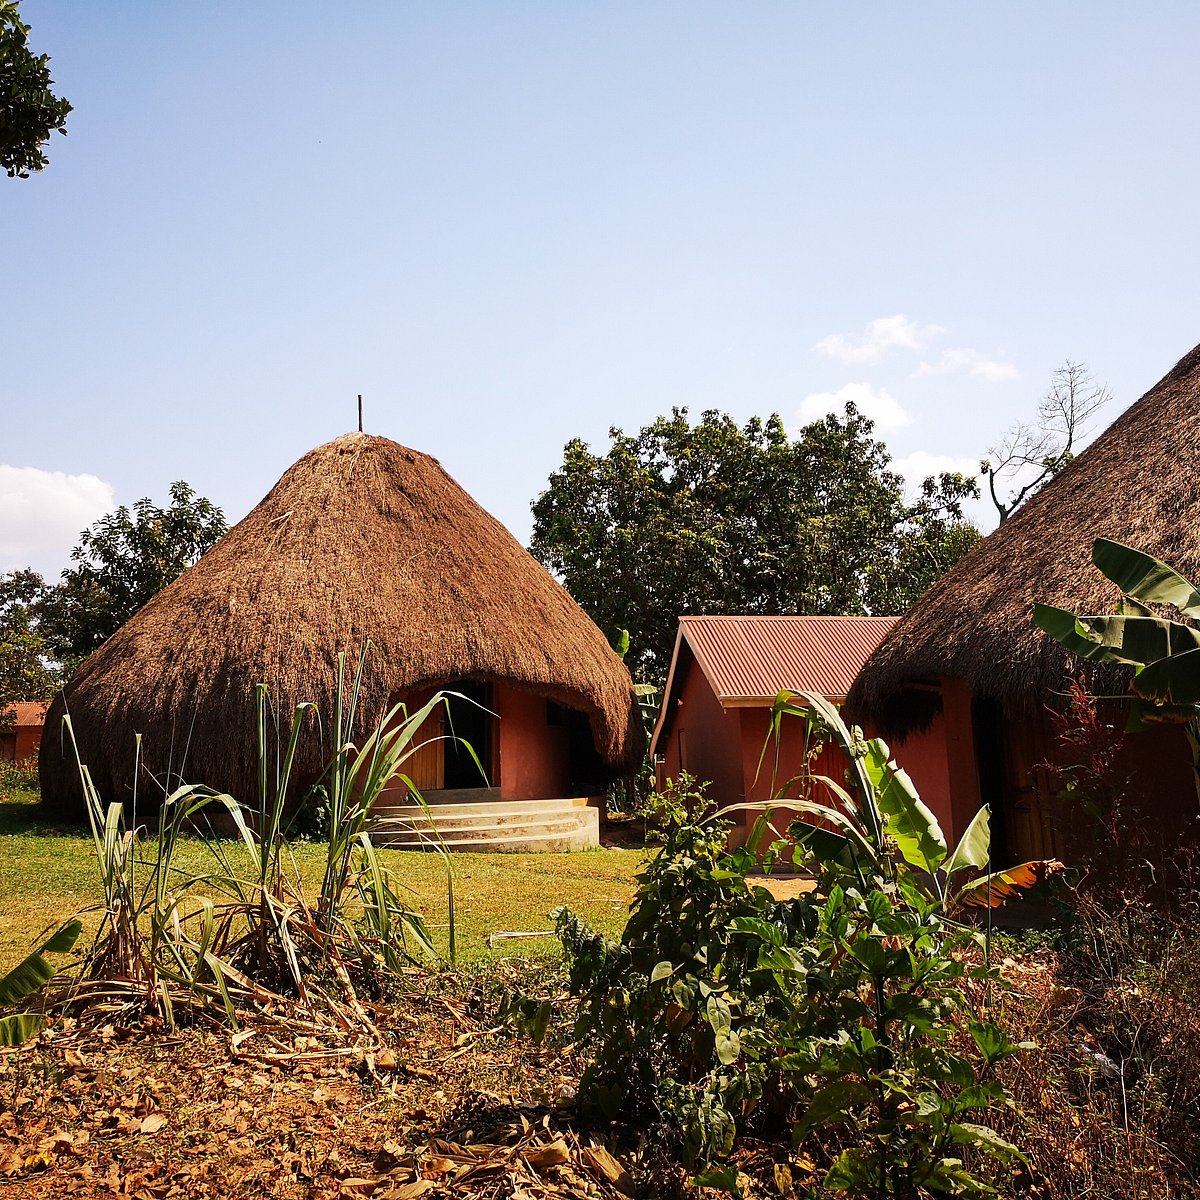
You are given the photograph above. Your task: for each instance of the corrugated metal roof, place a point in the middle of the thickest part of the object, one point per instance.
(27, 713)
(753, 659)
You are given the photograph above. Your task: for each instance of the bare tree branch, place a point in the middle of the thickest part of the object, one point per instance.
(1030, 453)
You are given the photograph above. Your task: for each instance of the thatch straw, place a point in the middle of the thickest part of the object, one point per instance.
(361, 539)
(1138, 483)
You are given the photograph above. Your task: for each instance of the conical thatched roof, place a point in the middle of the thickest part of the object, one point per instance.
(1138, 483)
(361, 539)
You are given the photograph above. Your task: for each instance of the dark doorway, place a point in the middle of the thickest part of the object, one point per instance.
(589, 777)
(988, 731)
(469, 721)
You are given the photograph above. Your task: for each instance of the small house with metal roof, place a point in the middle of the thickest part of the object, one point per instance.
(21, 730)
(725, 674)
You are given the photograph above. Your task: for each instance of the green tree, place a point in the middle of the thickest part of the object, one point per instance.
(29, 110)
(716, 518)
(124, 560)
(27, 670)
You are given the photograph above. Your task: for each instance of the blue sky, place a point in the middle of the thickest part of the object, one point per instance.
(508, 224)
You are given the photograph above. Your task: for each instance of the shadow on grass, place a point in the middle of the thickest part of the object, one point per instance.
(21, 813)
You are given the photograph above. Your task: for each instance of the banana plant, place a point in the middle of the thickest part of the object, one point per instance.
(878, 821)
(1164, 653)
(29, 977)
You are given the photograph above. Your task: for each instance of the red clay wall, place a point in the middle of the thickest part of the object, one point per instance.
(724, 746)
(925, 756)
(755, 724)
(1155, 767)
(534, 760)
(29, 738)
(529, 758)
(708, 739)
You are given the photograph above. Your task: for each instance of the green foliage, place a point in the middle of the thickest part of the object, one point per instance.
(124, 560)
(844, 1018)
(848, 1017)
(1164, 654)
(29, 110)
(645, 1001)
(681, 802)
(28, 978)
(19, 776)
(878, 824)
(716, 518)
(26, 669)
(627, 795)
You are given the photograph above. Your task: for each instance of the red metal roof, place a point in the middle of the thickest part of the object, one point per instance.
(27, 713)
(752, 659)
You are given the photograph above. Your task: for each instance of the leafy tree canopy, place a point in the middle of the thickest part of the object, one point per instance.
(124, 560)
(716, 518)
(26, 669)
(29, 110)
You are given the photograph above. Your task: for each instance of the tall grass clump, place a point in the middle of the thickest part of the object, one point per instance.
(242, 934)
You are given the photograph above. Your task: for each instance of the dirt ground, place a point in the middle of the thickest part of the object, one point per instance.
(445, 1103)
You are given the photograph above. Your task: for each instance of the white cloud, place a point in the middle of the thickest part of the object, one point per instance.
(42, 514)
(884, 333)
(971, 361)
(877, 403)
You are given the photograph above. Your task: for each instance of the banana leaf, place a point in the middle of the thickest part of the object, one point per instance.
(915, 829)
(19, 1028)
(1144, 577)
(1129, 640)
(1174, 681)
(34, 972)
(990, 891)
(975, 845)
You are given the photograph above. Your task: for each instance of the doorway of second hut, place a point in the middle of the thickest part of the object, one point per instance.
(469, 720)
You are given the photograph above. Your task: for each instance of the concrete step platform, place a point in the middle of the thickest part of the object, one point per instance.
(519, 826)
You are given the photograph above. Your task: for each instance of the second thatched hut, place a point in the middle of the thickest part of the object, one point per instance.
(968, 662)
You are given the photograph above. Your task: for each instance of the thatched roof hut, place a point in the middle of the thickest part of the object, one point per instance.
(362, 539)
(1138, 483)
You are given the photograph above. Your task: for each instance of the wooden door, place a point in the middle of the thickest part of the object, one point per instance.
(1030, 828)
(427, 765)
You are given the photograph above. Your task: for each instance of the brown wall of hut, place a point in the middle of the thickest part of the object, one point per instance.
(973, 755)
(923, 755)
(723, 746)
(777, 766)
(929, 760)
(528, 759)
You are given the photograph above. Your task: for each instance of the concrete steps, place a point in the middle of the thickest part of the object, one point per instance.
(514, 827)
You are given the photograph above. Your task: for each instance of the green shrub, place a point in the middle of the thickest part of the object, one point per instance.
(681, 802)
(851, 1018)
(19, 776)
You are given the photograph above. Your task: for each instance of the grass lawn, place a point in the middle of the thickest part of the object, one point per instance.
(48, 873)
